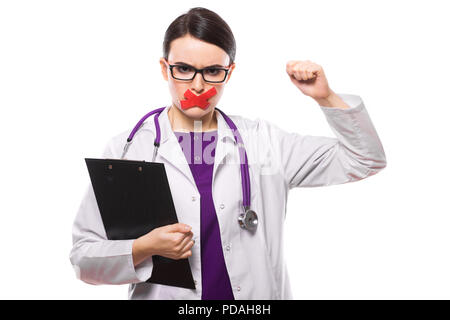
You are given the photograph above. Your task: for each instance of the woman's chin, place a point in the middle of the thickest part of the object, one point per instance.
(196, 112)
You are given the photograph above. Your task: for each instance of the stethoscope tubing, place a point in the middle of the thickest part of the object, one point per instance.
(244, 169)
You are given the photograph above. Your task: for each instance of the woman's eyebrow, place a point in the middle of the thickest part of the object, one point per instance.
(185, 64)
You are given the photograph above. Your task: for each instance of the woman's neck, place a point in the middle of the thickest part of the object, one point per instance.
(180, 122)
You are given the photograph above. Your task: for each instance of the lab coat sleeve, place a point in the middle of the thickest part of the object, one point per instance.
(96, 259)
(312, 161)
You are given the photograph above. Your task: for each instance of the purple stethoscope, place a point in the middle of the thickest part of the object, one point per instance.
(247, 220)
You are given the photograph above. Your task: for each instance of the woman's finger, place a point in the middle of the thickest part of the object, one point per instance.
(185, 242)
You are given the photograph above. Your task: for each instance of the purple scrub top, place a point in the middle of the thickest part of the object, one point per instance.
(199, 149)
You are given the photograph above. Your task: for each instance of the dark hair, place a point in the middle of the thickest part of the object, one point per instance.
(202, 24)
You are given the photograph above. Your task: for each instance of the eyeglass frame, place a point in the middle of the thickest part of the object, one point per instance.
(197, 71)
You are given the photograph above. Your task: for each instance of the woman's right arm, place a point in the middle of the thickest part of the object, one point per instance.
(97, 260)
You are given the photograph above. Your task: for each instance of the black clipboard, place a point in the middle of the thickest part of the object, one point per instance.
(134, 197)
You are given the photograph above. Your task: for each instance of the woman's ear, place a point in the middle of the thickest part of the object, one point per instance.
(232, 66)
(164, 68)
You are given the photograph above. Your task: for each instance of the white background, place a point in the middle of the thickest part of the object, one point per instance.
(75, 73)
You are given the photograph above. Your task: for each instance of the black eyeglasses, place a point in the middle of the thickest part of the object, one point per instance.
(186, 72)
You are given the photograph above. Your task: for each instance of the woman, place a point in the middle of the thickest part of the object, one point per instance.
(202, 163)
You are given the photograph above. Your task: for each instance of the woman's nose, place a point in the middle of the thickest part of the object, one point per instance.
(198, 83)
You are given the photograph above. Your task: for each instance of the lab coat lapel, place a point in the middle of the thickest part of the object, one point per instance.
(225, 143)
(170, 148)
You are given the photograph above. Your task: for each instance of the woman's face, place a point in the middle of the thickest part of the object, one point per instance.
(198, 54)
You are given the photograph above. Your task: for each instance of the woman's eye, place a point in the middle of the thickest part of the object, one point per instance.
(212, 71)
(184, 69)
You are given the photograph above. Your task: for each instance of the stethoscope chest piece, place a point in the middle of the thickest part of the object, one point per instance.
(248, 220)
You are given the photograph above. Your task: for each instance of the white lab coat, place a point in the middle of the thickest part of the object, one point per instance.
(278, 161)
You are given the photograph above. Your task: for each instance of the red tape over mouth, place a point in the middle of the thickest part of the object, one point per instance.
(192, 100)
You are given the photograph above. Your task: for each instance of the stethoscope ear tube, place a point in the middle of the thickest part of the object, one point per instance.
(139, 125)
(245, 175)
(247, 220)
